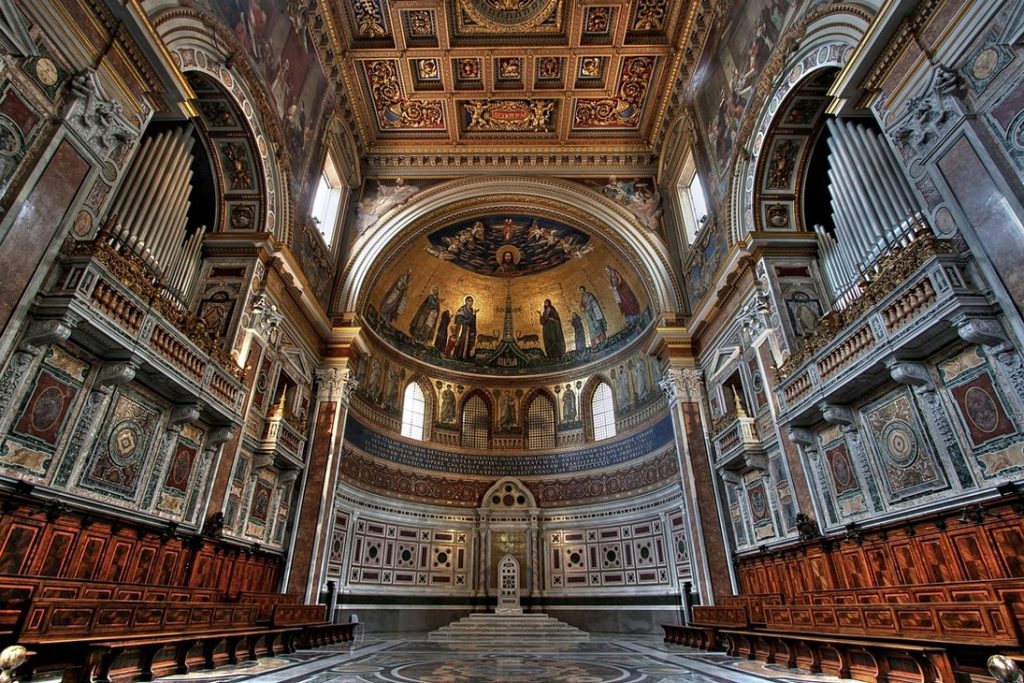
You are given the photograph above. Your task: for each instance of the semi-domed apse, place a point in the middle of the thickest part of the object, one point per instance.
(508, 293)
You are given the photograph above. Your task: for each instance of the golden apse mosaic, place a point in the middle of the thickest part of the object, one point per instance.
(508, 294)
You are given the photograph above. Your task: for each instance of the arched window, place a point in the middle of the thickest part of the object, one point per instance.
(476, 421)
(414, 407)
(540, 424)
(602, 409)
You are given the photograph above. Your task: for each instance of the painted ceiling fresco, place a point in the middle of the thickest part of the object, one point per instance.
(508, 295)
(538, 74)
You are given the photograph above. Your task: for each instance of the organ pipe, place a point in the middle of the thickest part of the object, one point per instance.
(873, 207)
(152, 210)
(139, 183)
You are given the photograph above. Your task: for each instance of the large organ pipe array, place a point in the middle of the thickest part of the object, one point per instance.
(873, 208)
(152, 210)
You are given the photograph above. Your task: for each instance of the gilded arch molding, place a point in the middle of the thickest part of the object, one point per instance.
(825, 39)
(198, 43)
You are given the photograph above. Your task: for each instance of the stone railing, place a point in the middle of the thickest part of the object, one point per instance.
(281, 443)
(132, 272)
(120, 312)
(905, 312)
(738, 446)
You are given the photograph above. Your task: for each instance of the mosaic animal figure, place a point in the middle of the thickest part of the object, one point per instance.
(528, 340)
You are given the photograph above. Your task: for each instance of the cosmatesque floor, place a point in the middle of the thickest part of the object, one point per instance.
(411, 658)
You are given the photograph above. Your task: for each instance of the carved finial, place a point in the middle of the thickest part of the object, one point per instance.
(740, 410)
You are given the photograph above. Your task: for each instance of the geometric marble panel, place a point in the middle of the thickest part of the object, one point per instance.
(906, 460)
(626, 554)
(123, 446)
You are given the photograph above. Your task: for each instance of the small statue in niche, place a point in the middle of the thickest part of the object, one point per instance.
(448, 405)
(508, 412)
(569, 405)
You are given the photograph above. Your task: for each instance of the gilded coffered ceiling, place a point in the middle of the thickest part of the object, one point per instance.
(508, 76)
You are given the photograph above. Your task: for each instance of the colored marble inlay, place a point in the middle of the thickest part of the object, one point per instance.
(119, 458)
(181, 468)
(906, 461)
(45, 413)
(981, 410)
(758, 502)
(841, 466)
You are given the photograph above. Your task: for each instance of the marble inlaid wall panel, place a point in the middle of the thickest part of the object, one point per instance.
(44, 417)
(737, 516)
(336, 551)
(903, 452)
(631, 554)
(841, 472)
(783, 490)
(186, 475)
(680, 551)
(124, 449)
(237, 492)
(385, 554)
(261, 505)
(985, 414)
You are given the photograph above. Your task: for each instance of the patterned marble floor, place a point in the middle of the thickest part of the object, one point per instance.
(405, 658)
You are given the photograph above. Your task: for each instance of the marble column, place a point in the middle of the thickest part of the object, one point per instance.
(532, 554)
(709, 560)
(483, 583)
(307, 560)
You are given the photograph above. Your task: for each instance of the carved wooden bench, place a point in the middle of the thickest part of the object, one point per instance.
(691, 635)
(319, 635)
(92, 633)
(18, 589)
(103, 655)
(873, 661)
(990, 624)
(266, 602)
(721, 616)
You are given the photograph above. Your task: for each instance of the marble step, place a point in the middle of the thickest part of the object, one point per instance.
(508, 626)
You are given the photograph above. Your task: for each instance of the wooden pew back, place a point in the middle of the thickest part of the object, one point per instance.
(14, 588)
(966, 623)
(50, 620)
